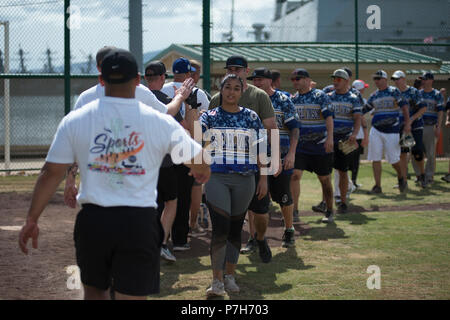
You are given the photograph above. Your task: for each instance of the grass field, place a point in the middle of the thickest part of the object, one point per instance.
(411, 248)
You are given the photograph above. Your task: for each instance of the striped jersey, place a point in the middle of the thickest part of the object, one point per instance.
(435, 103)
(344, 107)
(414, 99)
(234, 139)
(313, 108)
(386, 105)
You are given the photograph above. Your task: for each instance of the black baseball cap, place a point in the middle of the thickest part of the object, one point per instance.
(155, 68)
(102, 52)
(260, 73)
(427, 76)
(300, 73)
(119, 66)
(236, 61)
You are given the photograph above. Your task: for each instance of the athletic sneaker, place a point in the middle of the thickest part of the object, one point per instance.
(217, 289)
(203, 222)
(197, 231)
(422, 181)
(230, 284)
(337, 199)
(351, 189)
(264, 250)
(296, 216)
(250, 246)
(328, 217)
(445, 178)
(288, 240)
(166, 254)
(402, 185)
(183, 247)
(375, 190)
(342, 208)
(321, 207)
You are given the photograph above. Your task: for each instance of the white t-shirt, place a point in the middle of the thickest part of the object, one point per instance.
(119, 145)
(202, 98)
(142, 94)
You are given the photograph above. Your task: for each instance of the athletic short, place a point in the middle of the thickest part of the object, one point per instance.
(322, 165)
(387, 143)
(167, 184)
(119, 245)
(280, 189)
(342, 161)
(260, 206)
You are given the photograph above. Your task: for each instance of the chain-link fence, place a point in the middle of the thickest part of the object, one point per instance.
(319, 35)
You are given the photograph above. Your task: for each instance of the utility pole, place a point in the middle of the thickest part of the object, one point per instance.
(135, 31)
(22, 68)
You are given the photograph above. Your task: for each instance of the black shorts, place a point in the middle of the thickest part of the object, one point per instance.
(322, 165)
(167, 186)
(342, 161)
(280, 189)
(260, 206)
(119, 246)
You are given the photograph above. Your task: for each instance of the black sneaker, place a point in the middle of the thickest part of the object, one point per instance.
(342, 208)
(296, 217)
(402, 185)
(445, 178)
(264, 250)
(422, 181)
(321, 207)
(328, 217)
(375, 190)
(288, 240)
(250, 246)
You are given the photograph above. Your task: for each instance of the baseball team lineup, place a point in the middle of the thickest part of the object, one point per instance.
(162, 162)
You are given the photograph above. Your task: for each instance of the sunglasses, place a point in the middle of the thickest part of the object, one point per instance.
(297, 78)
(377, 78)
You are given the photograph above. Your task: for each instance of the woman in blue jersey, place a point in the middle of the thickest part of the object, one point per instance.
(232, 131)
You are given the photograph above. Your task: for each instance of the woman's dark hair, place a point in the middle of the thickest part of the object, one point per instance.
(417, 83)
(227, 78)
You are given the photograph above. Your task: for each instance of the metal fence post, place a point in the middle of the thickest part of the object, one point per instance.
(66, 57)
(6, 100)
(206, 47)
(356, 42)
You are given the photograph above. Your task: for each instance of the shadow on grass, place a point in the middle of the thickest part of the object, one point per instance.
(324, 232)
(355, 216)
(255, 284)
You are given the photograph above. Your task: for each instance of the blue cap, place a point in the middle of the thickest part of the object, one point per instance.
(182, 65)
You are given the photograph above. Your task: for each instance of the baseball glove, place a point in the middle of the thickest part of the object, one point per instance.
(347, 147)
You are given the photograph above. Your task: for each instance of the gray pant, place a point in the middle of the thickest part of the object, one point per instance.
(228, 197)
(429, 142)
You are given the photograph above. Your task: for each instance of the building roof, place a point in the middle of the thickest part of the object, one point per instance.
(444, 70)
(306, 53)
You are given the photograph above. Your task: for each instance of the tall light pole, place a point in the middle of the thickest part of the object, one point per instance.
(135, 33)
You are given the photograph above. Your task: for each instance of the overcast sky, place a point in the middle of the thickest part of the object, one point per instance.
(36, 25)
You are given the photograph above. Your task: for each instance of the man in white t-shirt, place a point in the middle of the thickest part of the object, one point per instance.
(142, 94)
(119, 144)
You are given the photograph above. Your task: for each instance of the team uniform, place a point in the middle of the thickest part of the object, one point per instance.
(313, 109)
(232, 184)
(384, 134)
(345, 106)
(119, 145)
(415, 103)
(287, 120)
(434, 102)
(257, 100)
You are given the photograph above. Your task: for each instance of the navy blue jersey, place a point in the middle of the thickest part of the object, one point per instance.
(313, 109)
(328, 89)
(386, 105)
(435, 103)
(344, 107)
(415, 102)
(285, 92)
(239, 133)
(287, 120)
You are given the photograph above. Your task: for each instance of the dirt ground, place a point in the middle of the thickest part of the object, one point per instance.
(43, 273)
